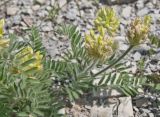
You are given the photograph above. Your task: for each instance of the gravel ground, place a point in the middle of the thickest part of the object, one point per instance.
(21, 14)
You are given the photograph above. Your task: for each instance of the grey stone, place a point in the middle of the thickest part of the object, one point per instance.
(137, 56)
(123, 46)
(150, 5)
(140, 4)
(154, 2)
(135, 109)
(122, 29)
(36, 7)
(102, 112)
(143, 12)
(88, 26)
(61, 3)
(153, 67)
(61, 111)
(134, 68)
(41, 1)
(145, 110)
(12, 10)
(143, 49)
(28, 20)
(151, 114)
(94, 111)
(27, 11)
(52, 2)
(144, 115)
(124, 21)
(143, 102)
(42, 13)
(85, 5)
(72, 15)
(124, 108)
(17, 19)
(48, 8)
(46, 27)
(113, 2)
(126, 12)
(120, 39)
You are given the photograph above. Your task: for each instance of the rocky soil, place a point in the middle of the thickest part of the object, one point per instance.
(22, 14)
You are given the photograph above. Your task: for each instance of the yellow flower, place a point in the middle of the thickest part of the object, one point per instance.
(138, 30)
(106, 18)
(3, 42)
(28, 54)
(98, 46)
(1, 27)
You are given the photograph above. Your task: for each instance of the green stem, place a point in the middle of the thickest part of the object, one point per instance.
(111, 65)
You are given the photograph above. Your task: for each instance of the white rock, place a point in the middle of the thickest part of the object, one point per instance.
(94, 111)
(42, 13)
(52, 2)
(35, 7)
(28, 20)
(17, 19)
(103, 112)
(62, 2)
(120, 38)
(46, 27)
(27, 11)
(143, 102)
(40, 1)
(61, 111)
(140, 4)
(122, 29)
(154, 2)
(126, 12)
(124, 108)
(143, 12)
(146, 110)
(151, 114)
(113, 92)
(12, 10)
(137, 56)
(123, 47)
(134, 69)
(150, 5)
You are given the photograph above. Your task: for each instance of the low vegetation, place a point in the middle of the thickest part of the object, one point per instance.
(32, 85)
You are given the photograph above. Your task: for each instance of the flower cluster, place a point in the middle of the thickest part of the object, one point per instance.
(99, 46)
(106, 17)
(138, 30)
(3, 42)
(26, 55)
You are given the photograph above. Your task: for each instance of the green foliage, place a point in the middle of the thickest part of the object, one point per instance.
(70, 72)
(76, 59)
(25, 94)
(35, 40)
(53, 12)
(32, 85)
(154, 40)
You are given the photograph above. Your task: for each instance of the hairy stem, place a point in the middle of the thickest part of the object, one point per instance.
(111, 65)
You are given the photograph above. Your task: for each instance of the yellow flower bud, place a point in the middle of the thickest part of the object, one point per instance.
(138, 30)
(101, 30)
(99, 46)
(3, 42)
(1, 27)
(27, 54)
(106, 18)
